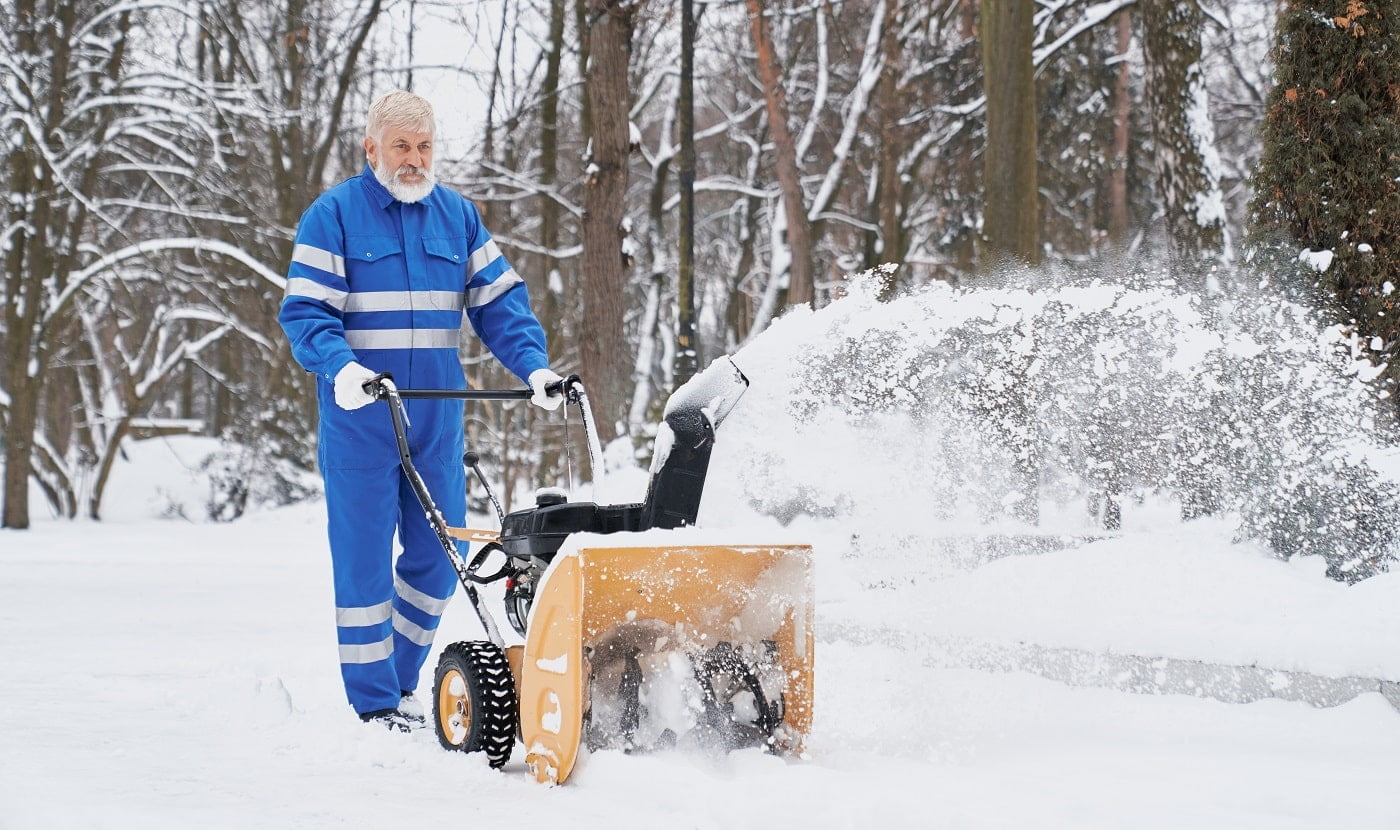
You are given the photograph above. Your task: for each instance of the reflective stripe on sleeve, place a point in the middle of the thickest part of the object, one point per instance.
(404, 301)
(428, 605)
(482, 257)
(367, 653)
(365, 615)
(319, 258)
(402, 338)
(478, 297)
(303, 287)
(415, 633)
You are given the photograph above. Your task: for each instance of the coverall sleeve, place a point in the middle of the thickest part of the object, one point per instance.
(498, 304)
(313, 309)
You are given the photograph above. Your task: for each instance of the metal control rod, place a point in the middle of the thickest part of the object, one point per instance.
(381, 387)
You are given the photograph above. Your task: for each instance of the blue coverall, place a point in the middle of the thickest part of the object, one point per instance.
(385, 283)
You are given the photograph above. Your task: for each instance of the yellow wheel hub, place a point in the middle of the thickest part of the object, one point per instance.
(454, 707)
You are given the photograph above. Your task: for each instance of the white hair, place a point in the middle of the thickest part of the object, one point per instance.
(399, 108)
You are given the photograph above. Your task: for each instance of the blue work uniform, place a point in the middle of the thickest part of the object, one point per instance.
(385, 283)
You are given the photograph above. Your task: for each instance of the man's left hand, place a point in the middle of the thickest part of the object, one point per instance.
(539, 379)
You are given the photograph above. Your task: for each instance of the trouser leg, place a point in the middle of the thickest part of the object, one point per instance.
(424, 578)
(362, 506)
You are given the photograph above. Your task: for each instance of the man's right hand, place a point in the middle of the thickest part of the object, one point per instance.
(538, 380)
(350, 386)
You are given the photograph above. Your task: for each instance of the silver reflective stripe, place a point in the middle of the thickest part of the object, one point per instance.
(365, 615)
(367, 653)
(319, 258)
(484, 256)
(303, 287)
(404, 301)
(414, 632)
(402, 338)
(478, 297)
(420, 600)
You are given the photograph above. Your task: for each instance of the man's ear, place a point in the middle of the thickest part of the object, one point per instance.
(371, 152)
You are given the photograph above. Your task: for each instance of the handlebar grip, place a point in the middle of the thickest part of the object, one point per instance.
(374, 387)
(563, 386)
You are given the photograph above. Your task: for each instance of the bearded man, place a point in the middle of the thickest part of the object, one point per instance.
(384, 268)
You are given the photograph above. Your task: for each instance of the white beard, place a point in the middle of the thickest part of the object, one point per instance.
(402, 191)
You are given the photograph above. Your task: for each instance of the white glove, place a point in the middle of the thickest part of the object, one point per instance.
(539, 379)
(350, 386)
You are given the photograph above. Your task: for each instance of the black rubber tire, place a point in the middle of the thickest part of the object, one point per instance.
(474, 704)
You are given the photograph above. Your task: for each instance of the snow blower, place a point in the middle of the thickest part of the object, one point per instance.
(637, 636)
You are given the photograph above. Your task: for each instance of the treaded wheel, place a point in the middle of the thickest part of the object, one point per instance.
(474, 700)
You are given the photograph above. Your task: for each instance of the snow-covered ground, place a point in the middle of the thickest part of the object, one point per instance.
(159, 672)
(162, 673)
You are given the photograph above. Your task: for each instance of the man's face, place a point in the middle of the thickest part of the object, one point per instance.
(403, 160)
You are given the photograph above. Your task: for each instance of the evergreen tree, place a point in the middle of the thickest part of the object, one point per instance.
(1329, 177)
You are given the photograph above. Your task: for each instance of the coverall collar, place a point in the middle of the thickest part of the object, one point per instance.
(377, 193)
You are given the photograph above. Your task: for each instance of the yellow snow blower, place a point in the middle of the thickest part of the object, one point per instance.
(640, 632)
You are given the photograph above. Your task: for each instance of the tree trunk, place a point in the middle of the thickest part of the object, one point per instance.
(104, 466)
(30, 259)
(686, 345)
(1011, 211)
(19, 444)
(799, 234)
(605, 356)
(889, 193)
(582, 14)
(549, 155)
(1122, 113)
(1185, 161)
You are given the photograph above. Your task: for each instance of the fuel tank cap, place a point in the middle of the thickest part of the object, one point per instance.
(546, 496)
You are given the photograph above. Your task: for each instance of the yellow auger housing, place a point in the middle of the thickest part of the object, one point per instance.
(641, 631)
(656, 645)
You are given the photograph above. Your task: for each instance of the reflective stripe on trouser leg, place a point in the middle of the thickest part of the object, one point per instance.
(362, 506)
(424, 578)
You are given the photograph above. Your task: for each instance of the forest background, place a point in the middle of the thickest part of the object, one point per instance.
(669, 176)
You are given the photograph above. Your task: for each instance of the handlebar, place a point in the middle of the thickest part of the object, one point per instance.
(379, 387)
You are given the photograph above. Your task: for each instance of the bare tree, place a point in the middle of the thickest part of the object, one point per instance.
(889, 197)
(604, 351)
(143, 188)
(798, 236)
(95, 144)
(1122, 132)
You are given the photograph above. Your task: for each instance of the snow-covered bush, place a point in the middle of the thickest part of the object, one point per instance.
(978, 405)
(241, 476)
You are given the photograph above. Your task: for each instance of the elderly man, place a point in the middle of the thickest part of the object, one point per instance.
(384, 266)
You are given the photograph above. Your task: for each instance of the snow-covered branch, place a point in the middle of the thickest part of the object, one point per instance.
(1093, 16)
(80, 278)
(871, 64)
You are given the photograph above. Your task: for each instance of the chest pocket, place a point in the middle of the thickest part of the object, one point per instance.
(371, 248)
(450, 248)
(374, 263)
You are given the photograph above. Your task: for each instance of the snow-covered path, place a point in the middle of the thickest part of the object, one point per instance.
(162, 674)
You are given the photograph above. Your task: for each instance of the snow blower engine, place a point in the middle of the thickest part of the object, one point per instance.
(640, 632)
